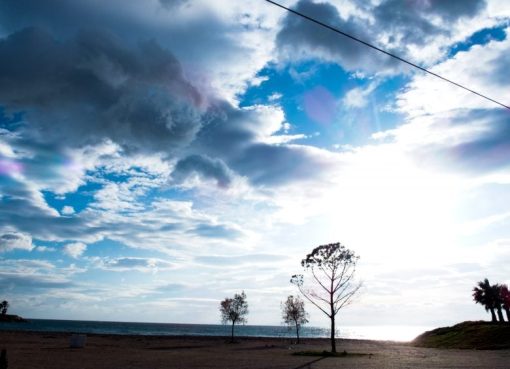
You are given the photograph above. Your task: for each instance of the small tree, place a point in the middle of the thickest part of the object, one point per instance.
(234, 310)
(331, 285)
(293, 312)
(4, 306)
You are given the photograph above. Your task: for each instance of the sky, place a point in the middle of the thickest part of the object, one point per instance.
(157, 156)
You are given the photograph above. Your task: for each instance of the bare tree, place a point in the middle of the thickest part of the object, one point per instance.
(234, 310)
(293, 312)
(330, 285)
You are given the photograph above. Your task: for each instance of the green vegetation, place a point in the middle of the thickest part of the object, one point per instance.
(4, 306)
(8, 318)
(234, 310)
(293, 313)
(495, 298)
(467, 335)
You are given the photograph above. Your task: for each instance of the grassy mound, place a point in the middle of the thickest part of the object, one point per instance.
(467, 335)
(8, 318)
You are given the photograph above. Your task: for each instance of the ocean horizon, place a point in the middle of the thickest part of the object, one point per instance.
(383, 332)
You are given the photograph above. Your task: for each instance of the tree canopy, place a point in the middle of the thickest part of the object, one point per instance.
(494, 298)
(234, 310)
(4, 307)
(293, 313)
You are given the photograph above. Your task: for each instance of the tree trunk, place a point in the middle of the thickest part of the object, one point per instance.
(297, 331)
(500, 315)
(333, 343)
(507, 310)
(493, 315)
(232, 336)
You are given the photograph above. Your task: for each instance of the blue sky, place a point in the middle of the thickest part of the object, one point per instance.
(178, 152)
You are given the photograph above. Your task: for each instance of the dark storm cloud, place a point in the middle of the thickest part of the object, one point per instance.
(205, 167)
(91, 88)
(276, 165)
(487, 149)
(490, 149)
(63, 16)
(411, 21)
(233, 135)
(300, 37)
(405, 23)
(452, 10)
(27, 217)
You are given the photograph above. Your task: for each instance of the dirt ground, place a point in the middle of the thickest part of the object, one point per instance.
(27, 350)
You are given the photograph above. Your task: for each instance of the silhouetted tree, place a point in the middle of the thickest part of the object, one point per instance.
(498, 301)
(234, 310)
(330, 285)
(4, 306)
(505, 296)
(293, 312)
(488, 295)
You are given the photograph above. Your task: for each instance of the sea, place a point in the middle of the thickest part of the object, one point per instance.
(393, 333)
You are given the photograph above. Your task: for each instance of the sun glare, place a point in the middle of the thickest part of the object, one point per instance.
(385, 199)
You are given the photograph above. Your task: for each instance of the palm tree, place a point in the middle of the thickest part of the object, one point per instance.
(505, 296)
(485, 295)
(498, 301)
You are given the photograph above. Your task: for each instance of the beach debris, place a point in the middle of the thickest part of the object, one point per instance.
(78, 341)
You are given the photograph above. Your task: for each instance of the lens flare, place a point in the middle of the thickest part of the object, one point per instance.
(10, 167)
(320, 105)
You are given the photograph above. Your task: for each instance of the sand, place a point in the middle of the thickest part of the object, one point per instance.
(27, 350)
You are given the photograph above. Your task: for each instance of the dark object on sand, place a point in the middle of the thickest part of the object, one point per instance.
(78, 341)
(3, 359)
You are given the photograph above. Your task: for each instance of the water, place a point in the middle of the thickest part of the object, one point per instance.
(397, 333)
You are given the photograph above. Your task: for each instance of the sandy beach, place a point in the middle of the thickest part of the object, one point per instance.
(28, 350)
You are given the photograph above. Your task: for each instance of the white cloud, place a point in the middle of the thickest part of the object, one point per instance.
(67, 210)
(429, 95)
(10, 241)
(75, 249)
(128, 264)
(45, 249)
(358, 97)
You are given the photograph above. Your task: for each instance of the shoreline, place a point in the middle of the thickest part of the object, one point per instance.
(398, 333)
(35, 350)
(192, 336)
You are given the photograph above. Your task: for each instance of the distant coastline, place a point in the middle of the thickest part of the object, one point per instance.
(10, 318)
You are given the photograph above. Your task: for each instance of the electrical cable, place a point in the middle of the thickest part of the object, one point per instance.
(331, 28)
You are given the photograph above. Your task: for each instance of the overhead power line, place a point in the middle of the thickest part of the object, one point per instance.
(336, 30)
